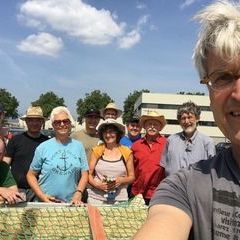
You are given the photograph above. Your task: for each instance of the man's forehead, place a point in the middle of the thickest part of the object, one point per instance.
(215, 62)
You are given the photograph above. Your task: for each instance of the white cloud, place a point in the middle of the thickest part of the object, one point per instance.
(187, 3)
(74, 18)
(143, 20)
(130, 39)
(41, 44)
(133, 37)
(141, 5)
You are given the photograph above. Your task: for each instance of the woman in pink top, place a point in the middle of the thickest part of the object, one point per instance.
(111, 166)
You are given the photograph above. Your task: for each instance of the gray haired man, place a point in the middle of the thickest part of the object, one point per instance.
(189, 146)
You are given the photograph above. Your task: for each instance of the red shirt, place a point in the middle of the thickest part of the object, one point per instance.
(148, 172)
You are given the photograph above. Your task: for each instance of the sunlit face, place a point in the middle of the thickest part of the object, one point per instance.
(225, 104)
(188, 122)
(133, 129)
(152, 127)
(110, 136)
(62, 124)
(34, 125)
(110, 113)
(92, 121)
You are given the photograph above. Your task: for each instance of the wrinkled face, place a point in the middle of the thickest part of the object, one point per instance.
(62, 124)
(34, 125)
(110, 113)
(152, 127)
(92, 121)
(188, 122)
(110, 135)
(225, 103)
(133, 129)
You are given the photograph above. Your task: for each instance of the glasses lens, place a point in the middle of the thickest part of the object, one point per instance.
(221, 80)
(65, 122)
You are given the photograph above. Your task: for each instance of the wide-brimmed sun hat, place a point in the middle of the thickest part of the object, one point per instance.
(111, 105)
(153, 115)
(33, 112)
(109, 122)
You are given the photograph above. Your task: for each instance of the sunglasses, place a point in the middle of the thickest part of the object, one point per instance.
(64, 122)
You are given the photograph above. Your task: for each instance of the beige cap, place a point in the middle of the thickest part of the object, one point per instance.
(153, 115)
(33, 112)
(111, 106)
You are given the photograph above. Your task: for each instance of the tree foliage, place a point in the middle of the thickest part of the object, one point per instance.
(129, 102)
(191, 93)
(96, 99)
(48, 101)
(9, 102)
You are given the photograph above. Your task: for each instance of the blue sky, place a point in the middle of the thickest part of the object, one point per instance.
(72, 47)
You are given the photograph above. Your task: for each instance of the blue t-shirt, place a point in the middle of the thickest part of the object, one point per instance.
(59, 167)
(126, 141)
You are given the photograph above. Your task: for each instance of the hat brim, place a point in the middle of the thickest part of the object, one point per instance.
(161, 119)
(118, 125)
(31, 116)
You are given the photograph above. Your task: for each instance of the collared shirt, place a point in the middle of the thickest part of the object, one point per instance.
(180, 152)
(127, 141)
(148, 171)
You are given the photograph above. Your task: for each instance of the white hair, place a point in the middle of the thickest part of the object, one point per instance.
(60, 109)
(220, 33)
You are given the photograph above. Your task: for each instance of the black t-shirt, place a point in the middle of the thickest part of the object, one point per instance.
(21, 150)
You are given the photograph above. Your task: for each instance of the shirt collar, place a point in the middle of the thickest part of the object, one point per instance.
(192, 139)
(158, 139)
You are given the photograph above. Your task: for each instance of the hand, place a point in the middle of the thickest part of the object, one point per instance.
(117, 182)
(103, 186)
(51, 199)
(77, 199)
(11, 196)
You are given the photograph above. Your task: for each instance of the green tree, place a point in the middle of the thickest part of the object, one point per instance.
(48, 101)
(128, 107)
(96, 99)
(191, 93)
(9, 102)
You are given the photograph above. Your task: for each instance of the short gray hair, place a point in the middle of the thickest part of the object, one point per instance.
(60, 109)
(220, 33)
(189, 107)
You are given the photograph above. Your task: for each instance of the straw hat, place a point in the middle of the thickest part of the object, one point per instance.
(111, 121)
(111, 106)
(153, 115)
(33, 112)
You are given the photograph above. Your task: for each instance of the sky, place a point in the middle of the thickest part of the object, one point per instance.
(72, 47)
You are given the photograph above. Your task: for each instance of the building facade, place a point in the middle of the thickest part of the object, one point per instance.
(167, 104)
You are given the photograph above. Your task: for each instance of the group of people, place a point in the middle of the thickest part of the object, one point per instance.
(100, 164)
(196, 200)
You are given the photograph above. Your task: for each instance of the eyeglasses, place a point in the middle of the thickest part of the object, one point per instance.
(58, 123)
(220, 80)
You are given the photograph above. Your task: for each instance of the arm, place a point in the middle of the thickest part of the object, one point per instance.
(9, 194)
(165, 222)
(8, 160)
(211, 150)
(96, 184)
(33, 183)
(77, 197)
